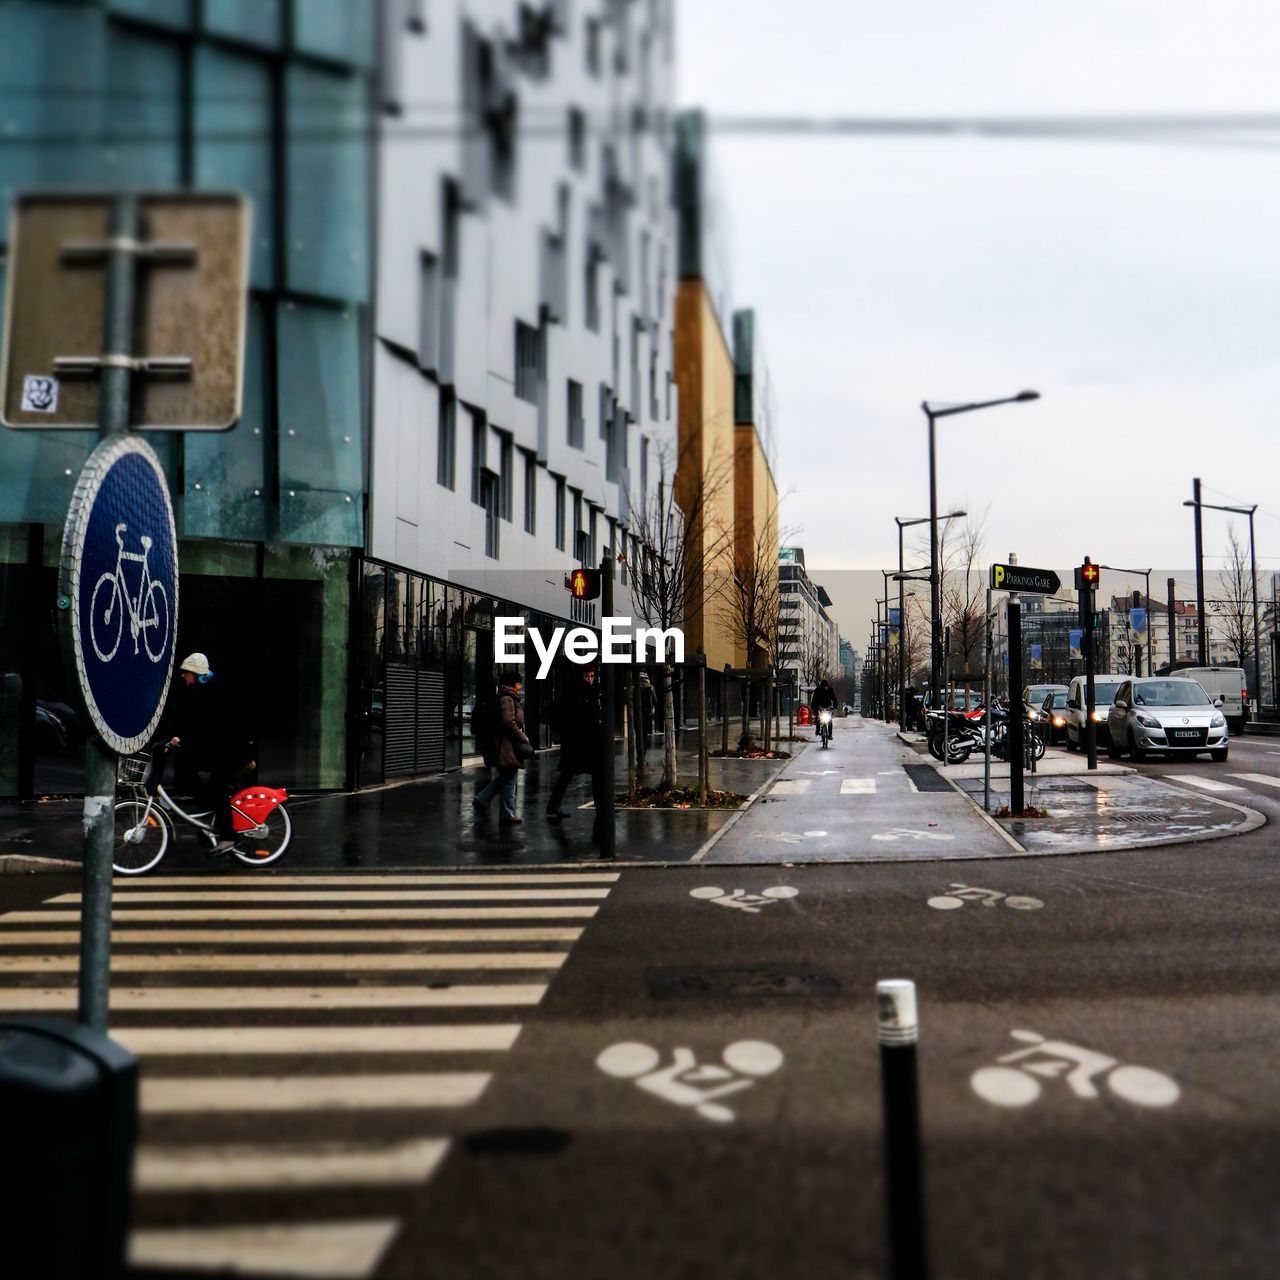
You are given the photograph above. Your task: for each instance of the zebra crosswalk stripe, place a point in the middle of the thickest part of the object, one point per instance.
(293, 948)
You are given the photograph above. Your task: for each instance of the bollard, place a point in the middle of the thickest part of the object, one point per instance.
(899, 1028)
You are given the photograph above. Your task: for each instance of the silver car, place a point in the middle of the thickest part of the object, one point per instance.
(1170, 715)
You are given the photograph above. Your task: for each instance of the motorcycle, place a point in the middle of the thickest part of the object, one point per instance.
(824, 726)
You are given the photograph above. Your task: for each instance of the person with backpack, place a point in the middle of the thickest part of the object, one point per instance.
(498, 727)
(577, 721)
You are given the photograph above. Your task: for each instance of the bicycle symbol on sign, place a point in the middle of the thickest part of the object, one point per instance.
(148, 611)
(1008, 1086)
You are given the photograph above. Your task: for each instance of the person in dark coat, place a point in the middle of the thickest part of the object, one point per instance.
(506, 750)
(824, 699)
(213, 746)
(578, 723)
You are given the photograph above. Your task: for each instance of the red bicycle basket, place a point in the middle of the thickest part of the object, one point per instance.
(254, 804)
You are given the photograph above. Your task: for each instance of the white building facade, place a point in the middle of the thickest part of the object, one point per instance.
(522, 336)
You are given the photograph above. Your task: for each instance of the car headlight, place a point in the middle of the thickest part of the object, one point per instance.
(1058, 722)
(1219, 721)
(1147, 722)
(1098, 714)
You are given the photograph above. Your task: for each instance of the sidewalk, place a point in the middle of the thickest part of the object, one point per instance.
(429, 822)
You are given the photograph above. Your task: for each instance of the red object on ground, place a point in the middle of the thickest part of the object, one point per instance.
(804, 715)
(254, 804)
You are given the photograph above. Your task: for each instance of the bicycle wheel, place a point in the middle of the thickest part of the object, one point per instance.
(258, 850)
(156, 619)
(141, 837)
(106, 617)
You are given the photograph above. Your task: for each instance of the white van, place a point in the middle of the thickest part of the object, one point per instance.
(1227, 683)
(1104, 694)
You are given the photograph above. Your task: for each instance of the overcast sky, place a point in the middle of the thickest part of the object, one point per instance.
(1137, 288)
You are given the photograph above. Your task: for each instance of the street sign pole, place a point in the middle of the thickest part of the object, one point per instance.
(986, 713)
(100, 760)
(1016, 713)
(605, 818)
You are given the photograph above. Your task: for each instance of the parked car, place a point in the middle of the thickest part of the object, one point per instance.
(1104, 694)
(1168, 714)
(1227, 683)
(1049, 701)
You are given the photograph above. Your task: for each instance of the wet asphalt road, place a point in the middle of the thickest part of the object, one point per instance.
(1163, 960)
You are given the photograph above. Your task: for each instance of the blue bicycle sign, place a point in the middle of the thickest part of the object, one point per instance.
(148, 608)
(119, 572)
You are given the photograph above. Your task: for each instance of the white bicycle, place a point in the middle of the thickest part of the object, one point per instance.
(148, 817)
(148, 611)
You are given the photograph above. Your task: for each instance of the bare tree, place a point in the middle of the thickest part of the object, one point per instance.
(1235, 608)
(678, 541)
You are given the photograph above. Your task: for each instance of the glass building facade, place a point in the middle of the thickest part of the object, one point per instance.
(274, 98)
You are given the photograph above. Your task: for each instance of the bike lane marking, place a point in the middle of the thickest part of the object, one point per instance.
(791, 787)
(857, 786)
(1206, 784)
(958, 894)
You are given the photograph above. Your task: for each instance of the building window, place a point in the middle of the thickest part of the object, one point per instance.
(592, 529)
(479, 440)
(506, 469)
(592, 33)
(428, 311)
(644, 469)
(560, 513)
(577, 425)
(527, 363)
(606, 411)
(577, 139)
(579, 533)
(489, 498)
(447, 439)
(592, 291)
(530, 493)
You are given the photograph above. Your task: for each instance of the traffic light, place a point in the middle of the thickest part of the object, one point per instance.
(1087, 576)
(583, 584)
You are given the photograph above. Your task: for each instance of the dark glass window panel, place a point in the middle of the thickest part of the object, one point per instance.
(327, 200)
(233, 133)
(145, 83)
(225, 472)
(257, 21)
(175, 14)
(319, 412)
(337, 29)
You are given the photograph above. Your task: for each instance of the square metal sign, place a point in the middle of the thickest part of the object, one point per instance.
(190, 270)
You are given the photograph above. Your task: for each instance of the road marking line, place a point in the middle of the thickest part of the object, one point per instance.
(181, 1042)
(358, 881)
(351, 895)
(123, 937)
(1207, 784)
(857, 786)
(146, 915)
(209, 1094)
(160, 1169)
(294, 963)
(319, 1250)
(791, 787)
(1262, 779)
(38, 999)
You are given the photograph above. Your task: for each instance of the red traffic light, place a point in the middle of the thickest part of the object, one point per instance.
(1087, 576)
(583, 584)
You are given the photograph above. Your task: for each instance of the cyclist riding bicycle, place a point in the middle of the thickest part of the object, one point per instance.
(213, 749)
(824, 697)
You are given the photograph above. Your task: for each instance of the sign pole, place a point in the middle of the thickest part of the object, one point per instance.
(100, 760)
(986, 709)
(605, 821)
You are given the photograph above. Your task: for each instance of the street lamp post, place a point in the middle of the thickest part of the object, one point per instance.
(1253, 582)
(935, 580)
(1145, 573)
(902, 580)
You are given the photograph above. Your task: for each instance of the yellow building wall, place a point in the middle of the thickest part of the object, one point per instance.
(704, 377)
(755, 503)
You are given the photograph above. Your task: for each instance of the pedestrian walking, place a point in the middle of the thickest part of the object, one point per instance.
(212, 747)
(499, 732)
(577, 721)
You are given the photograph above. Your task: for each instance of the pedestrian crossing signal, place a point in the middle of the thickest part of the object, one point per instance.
(583, 584)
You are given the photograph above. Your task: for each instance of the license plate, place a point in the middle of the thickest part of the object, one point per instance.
(1186, 733)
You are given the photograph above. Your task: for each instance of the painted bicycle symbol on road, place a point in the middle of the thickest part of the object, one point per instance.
(958, 894)
(1018, 1086)
(742, 900)
(148, 611)
(911, 833)
(683, 1082)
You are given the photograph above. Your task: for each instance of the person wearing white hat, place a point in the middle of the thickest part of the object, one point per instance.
(212, 745)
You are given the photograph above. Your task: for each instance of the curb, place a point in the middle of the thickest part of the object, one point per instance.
(716, 836)
(17, 863)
